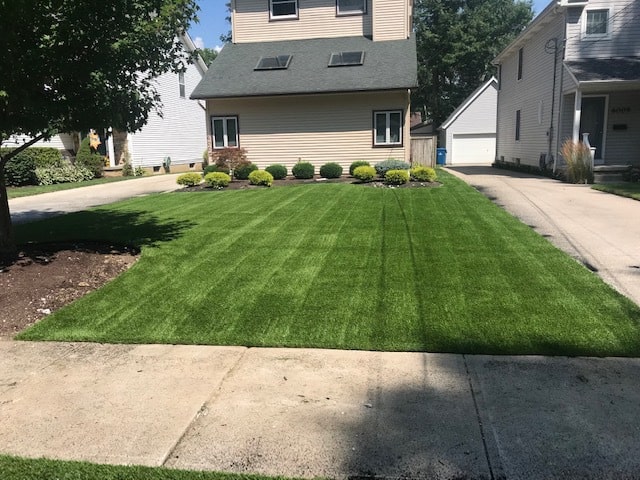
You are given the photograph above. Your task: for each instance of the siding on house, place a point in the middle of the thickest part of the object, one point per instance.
(319, 129)
(316, 19)
(62, 141)
(624, 40)
(391, 20)
(532, 95)
(180, 133)
(623, 145)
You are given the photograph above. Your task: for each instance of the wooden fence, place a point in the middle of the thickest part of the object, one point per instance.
(423, 151)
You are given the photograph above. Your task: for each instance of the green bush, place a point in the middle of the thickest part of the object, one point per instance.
(139, 172)
(242, 171)
(127, 170)
(93, 161)
(277, 171)
(217, 180)
(63, 174)
(214, 168)
(303, 170)
(331, 170)
(20, 170)
(364, 173)
(261, 177)
(423, 174)
(189, 179)
(356, 164)
(392, 164)
(396, 177)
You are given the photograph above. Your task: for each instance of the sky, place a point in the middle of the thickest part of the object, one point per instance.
(213, 24)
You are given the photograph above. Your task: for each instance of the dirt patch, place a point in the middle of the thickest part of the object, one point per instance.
(47, 277)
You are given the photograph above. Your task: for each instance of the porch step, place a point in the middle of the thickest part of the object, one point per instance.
(610, 173)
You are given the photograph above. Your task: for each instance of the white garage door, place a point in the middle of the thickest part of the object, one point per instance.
(478, 149)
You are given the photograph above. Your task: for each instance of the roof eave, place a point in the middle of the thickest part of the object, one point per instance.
(288, 94)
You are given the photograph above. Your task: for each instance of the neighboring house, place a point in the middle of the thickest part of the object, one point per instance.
(469, 134)
(314, 80)
(180, 133)
(575, 69)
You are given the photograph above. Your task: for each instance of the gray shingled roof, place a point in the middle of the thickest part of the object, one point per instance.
(609, 69)
(387, 65)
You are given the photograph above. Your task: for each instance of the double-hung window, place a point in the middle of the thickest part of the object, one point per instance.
(596, 24)
(280, 9)
(387, 128)
(518, 120)
(351, 7)
(224, 131)
(181, 85)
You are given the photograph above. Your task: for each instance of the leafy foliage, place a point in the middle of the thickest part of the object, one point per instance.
(391, 164)
(229, 158)
(87, 158)
(217, 179)
(303, 170)
(331, 170)
(190, 179)
(261, 177)
(277, 171)
(423, 174)
(356, 164)
(63, 174)
(20, 171)
(456, 42)
(208, 55)
(214, 168)
(364, 173)
(242, 171)
(396, 177)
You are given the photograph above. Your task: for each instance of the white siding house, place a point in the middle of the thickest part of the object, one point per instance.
(469, 134)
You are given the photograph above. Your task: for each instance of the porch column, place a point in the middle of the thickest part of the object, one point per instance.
(577, 114)
(111, 151)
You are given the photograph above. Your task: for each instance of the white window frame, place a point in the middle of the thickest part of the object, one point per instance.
(283, 17)
(596, 36)
(225, 138)
(520, 65)
(387, 142)
(344, 12)
(518, 126)
(182, 85)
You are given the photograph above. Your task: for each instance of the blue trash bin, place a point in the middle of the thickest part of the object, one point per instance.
(441, 156)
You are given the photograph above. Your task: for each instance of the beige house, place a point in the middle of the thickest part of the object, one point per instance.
(313, 80)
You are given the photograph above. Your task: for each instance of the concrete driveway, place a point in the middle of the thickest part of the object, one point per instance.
(598, 229)
(36, 207)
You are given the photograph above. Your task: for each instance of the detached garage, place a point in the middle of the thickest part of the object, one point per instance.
(469, 134)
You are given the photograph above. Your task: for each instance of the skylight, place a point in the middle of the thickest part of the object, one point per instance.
(343, 59)
(280, 62)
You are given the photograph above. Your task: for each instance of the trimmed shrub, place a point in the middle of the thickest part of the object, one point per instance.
(127, 170)
(20, 171)
(189, 179)
(93, 161)
(331, 170)
(392, 164)
(63, 174)
(277, 171)
(423, 174)
(241, 172)
(214, 168)
(217, 180)
(396, 177)
(303, 170)
(261, 177)
(364, 173)
(356, 164)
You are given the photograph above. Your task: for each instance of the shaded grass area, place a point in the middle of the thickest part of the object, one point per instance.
(340, 266)
(17, 192)
(14, 468)
(631, 190)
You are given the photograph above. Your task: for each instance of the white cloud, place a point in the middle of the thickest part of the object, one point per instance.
(199, 42)
(217, 48)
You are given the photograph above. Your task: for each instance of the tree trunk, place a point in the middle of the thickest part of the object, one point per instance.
(7, 242)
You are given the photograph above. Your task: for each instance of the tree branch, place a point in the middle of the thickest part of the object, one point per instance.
(5, 158)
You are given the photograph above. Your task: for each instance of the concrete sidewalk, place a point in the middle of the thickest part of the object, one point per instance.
(36, 207)
(598, 229)
(312, 413)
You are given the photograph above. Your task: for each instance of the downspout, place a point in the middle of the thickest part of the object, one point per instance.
(550, 133)
(561, 100)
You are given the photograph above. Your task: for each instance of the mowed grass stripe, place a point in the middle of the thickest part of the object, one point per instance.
(342, 266)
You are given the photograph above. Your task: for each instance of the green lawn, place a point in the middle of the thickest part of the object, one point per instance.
(631, 190)
(340, 266)
(16, 192)
(14, 468)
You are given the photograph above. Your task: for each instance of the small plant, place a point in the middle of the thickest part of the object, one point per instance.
(632, 175)
(364, 173)
(303, 170)
(392, 164)
(229, 158)
(331, 170)
(423, 174)
(63, 174)
(189, 179)
(578, 158)
(356, 164)
(205, 157)
(127, 170)
(277, 171)
(241, 172)
(217, 180)
(139, 172)
(88, 158)
(261, 177)
(214, 168)
(396, 177)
